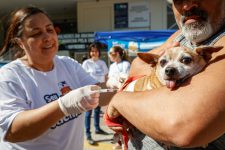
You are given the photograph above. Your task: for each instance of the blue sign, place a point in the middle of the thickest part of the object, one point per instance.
(137, 41)
(121, 15)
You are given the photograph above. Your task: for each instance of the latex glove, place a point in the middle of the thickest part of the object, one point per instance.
(80, 100)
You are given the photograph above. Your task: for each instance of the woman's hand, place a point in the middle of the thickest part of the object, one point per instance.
(80, 100)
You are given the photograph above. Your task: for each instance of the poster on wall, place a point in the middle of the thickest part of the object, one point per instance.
(139, 15)
(120, 15)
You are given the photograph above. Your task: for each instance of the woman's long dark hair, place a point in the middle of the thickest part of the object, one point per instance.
(15, 29)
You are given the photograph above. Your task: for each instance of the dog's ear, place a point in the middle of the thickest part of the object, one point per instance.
(206, 51)
(148, 58)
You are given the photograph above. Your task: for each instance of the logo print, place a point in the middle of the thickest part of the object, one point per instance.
(64, 88)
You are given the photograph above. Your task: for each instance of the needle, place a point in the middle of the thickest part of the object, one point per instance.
(107, 90)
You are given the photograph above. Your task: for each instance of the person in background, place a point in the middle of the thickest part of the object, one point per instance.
(118, 72)
(43, 96)
(192, 116)
(98, 69)
(119, 69)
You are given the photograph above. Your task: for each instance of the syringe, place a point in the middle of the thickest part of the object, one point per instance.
(107, 90)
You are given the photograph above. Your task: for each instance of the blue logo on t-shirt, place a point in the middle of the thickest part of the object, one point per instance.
(52, 97)
(65, 120)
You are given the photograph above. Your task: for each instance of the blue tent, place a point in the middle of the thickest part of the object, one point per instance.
(134, 40)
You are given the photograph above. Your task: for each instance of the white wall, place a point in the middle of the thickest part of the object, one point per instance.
(98, 15)
(158, 14)
(94, 16)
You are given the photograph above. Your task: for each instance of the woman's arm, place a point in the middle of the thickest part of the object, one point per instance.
(32, 123)
(190, 116)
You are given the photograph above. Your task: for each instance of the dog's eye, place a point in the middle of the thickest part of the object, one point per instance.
(163, 62)
(186, 60)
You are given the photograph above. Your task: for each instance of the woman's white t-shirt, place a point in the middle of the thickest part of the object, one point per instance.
(116, 72)
(24, 88)
(97, 69)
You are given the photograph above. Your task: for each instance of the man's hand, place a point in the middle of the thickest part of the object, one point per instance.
(168, 45)
(172, 44)
(112, 112)
(80, 100)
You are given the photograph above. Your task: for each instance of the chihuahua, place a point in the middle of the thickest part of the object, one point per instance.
(173, 67)
(170, 69)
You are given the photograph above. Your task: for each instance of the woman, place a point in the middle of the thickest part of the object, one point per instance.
(119, 69)
(98, 69)
(36, 111)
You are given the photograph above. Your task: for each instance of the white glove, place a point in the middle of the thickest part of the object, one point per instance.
(80, 100)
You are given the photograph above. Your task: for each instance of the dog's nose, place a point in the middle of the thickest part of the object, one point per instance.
(170, 71)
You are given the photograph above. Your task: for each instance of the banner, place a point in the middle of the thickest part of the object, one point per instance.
(134, 41)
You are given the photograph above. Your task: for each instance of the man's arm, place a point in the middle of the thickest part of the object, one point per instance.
(190, 116)
(105, 98)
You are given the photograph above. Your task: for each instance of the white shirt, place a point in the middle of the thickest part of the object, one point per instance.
(118, 71)
(24, 88)
(118, 68)
(97, 69)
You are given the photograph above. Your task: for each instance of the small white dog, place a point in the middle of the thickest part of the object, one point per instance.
(173, 67)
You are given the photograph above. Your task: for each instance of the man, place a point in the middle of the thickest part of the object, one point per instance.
(192, 115)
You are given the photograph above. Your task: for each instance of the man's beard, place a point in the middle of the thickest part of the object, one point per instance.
(198, 31)
(203, 28)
